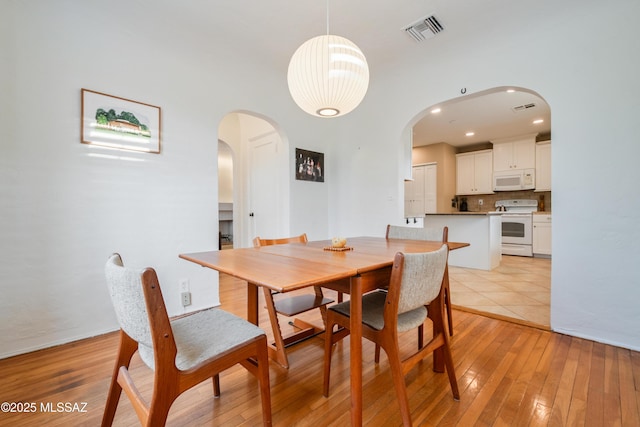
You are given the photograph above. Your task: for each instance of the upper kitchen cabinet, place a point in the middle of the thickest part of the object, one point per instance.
(514, 153)
(474, 172)
(543, 166)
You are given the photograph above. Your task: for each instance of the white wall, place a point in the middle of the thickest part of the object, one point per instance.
(63, 212)
(225, 173)
(590, 80)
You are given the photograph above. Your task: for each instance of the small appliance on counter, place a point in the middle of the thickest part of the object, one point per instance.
(463, 205)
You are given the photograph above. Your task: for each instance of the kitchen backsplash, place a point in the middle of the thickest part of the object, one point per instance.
(489, 200)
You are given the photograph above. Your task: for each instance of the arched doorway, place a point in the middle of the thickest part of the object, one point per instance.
(261, 172)
(225, 196)
(520, 287)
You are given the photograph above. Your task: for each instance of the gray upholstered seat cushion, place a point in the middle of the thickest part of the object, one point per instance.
(204, 334)
(373, 311)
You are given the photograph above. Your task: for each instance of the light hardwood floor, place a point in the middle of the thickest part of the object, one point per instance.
(508, 374)
(519, 290)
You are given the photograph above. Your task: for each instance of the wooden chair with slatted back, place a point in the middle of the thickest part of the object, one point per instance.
(415, 292)
(292, 306)
(182, 352)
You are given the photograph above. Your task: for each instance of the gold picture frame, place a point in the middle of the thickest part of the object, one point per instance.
(119, 123)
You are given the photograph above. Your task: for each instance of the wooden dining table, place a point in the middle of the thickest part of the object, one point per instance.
(363, 266)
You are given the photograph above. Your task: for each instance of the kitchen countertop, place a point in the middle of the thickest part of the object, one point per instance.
(465, 213)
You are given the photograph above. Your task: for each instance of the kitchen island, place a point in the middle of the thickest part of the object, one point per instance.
(483, 230)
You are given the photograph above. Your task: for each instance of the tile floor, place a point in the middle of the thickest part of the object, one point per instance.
(518, 289)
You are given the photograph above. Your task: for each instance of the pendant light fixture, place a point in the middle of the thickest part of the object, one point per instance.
(328, 75)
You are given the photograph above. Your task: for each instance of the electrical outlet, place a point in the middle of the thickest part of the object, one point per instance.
(186, 298)
(184, 285)
(480, 202)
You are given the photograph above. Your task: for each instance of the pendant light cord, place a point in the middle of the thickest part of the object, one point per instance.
(327, 17)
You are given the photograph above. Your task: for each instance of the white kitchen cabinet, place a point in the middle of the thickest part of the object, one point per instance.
(542, 234)
(414, 193)
(474, 172)
(420, 192)
(543, 166)
(514, 154)
(431, 189)
(483, 231)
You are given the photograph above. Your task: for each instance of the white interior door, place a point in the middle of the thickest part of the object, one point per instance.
(431, 189)
(266, 208)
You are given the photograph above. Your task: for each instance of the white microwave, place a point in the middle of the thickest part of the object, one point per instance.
(523, 179)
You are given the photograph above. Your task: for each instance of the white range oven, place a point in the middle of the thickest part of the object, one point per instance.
(517, 226)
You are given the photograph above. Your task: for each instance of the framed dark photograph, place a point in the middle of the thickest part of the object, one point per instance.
(111, 121)
(309, 165)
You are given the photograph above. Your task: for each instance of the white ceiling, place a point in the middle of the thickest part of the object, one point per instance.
(489, 115)
(272, 30)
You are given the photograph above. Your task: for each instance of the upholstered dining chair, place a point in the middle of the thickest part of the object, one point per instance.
(427, 233)
(182, 352)
(291, 306)
(415, 292)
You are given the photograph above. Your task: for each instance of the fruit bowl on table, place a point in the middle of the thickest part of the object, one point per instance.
(338, 244)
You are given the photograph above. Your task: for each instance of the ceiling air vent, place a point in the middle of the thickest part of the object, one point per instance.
(425, 28)
(523, 107)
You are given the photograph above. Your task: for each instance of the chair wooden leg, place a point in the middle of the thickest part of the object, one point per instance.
(280, 355)
(328, 349)
(159, 409)
(442, 357)
(420, 336)
(447, 299)
(126, 350)
(448, 361)
(323, 309)
(377, 354)
(263, 379)
(216, 385)
(330, 339)
(392, 350)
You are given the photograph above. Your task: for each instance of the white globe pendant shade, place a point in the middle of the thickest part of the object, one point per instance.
(328, 76)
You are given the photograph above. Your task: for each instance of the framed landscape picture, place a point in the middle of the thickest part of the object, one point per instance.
(114, 122)
(309, 165)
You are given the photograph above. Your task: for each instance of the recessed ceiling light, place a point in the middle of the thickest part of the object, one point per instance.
(470, 133)
(435, 111)
(538, 121)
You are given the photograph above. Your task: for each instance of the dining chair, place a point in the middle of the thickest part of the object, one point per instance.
(182, 352)
(415, 292)
(292, 306)
(427, 233)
